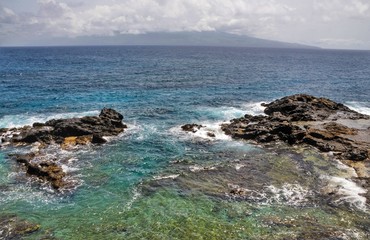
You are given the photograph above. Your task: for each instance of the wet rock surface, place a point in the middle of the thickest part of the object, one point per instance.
(67, 133)
(299, 119)
(191, 127)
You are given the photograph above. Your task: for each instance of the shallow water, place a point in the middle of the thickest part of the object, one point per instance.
(157, 182)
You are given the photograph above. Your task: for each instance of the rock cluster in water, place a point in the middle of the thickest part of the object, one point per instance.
(319, 122)
(64, 132)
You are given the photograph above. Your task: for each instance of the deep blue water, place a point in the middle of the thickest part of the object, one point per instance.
(158, 89)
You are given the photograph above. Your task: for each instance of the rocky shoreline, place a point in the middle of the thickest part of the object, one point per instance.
(65, 133)
(302, 119)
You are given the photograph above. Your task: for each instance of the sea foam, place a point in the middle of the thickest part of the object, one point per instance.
(346, 191)
(19, 120)
(361, 107)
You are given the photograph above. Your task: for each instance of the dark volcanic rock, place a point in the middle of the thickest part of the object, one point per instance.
(302, 107)
(66, 132)
(306, 119)
(44, 170)
(108, 123)
(191, 127)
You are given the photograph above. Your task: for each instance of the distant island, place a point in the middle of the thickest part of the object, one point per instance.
(209, 38)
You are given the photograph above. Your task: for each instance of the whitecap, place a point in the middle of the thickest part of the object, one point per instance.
(172, 176)
(197, 168)
(210, 131)
(346, 191)
(19, 120)
(361, 107)
(226, 113)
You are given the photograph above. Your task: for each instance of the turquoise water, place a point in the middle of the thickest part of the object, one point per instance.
(156, 182)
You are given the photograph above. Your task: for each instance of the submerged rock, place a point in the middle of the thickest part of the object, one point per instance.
(12, 227)
(66, 132)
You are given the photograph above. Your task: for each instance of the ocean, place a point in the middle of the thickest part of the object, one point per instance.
(155, 181)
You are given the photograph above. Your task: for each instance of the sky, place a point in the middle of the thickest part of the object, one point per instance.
(339, 24)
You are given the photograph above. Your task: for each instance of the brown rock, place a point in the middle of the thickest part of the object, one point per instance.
(44, 170)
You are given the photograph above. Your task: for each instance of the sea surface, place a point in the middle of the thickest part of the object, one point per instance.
(155, 181)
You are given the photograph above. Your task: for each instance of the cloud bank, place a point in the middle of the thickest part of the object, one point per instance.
(333, 23)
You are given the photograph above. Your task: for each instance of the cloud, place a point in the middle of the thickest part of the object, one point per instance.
(7, 16)
(254, 17)
(304, 21)
(337, 9)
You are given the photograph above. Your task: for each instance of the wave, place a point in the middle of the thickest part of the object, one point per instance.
(346, 191)
(20, 120)
(227, 113)
(361, 107)
(210, 131)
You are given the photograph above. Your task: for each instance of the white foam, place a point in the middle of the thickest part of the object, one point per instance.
(346, 190)
(173, 176)
(227, 113)
(211, 131)
(68, 169)
(139, 132)
(197, 168)
(346, 171)
(288, 194)
(361, 107)
(254, 108)
(238, 166)
(19, 120)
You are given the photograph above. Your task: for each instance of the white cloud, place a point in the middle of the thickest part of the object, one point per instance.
(304, 21)
(336, 9)
(133, 16)
(7, 16)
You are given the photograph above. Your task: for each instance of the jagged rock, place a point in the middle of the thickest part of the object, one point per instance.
(191, 127)
(303, 107)
(66, 132)
(108, 123)
(211, 134)
(73, 141)
(44, 170)
(306, 119)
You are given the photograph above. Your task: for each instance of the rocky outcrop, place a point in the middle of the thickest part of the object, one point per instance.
(108, 123)
(44, 170)
(67, 133)
(303, 107)
(191, 127)
(301, 118)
